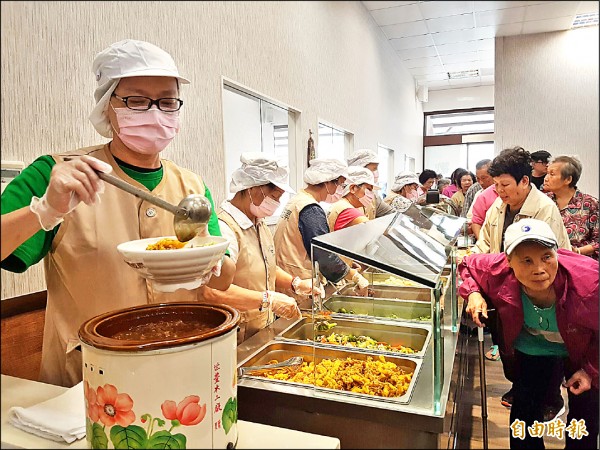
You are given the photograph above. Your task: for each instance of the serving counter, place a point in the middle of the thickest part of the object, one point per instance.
(358, 423)
(398, 388)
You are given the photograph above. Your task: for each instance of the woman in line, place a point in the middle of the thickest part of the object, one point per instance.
(465, 181)
(579, 211)
(405, 185)
(427, 179)
(358, 194)
(258, 185)
(454, 185)
(547, 303)
(303, 218)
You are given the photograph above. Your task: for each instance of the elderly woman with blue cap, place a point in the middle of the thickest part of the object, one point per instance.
(365, 157)
(303, 218)
(547, 303)
(258, 186)
(52, 210)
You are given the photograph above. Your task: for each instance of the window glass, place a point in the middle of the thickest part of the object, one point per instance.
(459, 123)
(252, 124)
(331, 143)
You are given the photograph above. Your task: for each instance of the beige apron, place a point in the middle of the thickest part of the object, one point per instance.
(336, 209)
(255, 247)
(289, 248)
(86, 275)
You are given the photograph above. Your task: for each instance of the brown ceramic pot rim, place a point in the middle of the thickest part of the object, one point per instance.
(89, 331)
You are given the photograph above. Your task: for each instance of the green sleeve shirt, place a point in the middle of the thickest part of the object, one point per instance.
(33, 181)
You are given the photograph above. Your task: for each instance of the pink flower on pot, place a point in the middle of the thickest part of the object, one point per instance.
(114, 407)
(91, 406)
(188, 412)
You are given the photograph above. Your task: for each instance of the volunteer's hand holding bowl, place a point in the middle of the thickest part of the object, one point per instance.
(188, 267)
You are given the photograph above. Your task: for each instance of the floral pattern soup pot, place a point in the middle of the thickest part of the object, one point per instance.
(161, 376)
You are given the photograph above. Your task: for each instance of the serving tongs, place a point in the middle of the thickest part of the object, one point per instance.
(291, 362)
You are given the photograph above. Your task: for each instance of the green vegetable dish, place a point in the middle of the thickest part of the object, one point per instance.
(367, 342)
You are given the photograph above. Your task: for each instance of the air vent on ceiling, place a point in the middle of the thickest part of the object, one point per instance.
(463, 74)
(585, 20)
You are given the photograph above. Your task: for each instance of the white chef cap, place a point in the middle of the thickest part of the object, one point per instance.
(363, 157)
(404, 178)
(358, 175)
(259, 169)
(321, 170)
(123, 59)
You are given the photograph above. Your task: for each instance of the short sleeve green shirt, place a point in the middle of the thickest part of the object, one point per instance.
(33, 181)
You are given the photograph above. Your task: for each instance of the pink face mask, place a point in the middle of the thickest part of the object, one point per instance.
(147, 132)
(413, 196)
(367, 199)
(266, 208)
(332, 198)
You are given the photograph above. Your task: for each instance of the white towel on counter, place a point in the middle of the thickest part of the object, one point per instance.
(60, 418)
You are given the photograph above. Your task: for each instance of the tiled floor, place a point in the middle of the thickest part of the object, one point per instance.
(471, 428)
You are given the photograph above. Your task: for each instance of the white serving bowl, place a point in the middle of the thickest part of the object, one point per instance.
(174, 269)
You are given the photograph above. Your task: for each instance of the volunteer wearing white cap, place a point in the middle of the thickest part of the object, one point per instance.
(258, 185)
(303, 218)
(52, 210)
(358, 193)
(405, 186)
(365, 157)
(547, 304)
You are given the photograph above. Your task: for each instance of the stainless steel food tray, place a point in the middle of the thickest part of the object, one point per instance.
(379, 278)
(390, 292)
(362, 307)
(282, 350)
(408, 335)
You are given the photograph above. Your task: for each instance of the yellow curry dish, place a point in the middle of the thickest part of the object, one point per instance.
(372, 377)
(166, 244)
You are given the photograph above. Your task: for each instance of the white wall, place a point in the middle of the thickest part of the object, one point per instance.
(547, 96)
(327, 59)
(460, 98)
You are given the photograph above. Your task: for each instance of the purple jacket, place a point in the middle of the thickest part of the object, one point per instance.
(576, 286)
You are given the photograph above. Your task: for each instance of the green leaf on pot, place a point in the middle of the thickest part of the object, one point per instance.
(229, 414)
(165, 440)
(131, 437)
(96, 435)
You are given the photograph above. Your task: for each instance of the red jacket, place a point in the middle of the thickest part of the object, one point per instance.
(576, 286)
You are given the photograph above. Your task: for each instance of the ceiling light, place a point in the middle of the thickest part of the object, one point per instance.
(585, 20)
(463, 74)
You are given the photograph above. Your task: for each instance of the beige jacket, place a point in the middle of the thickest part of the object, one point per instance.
(536, 206)
(255, 269)
(86, 275)
(336, 209)
(290, 253)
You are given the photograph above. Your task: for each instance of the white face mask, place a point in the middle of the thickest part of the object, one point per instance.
(266, 208)
(367, 199)
(332, 198)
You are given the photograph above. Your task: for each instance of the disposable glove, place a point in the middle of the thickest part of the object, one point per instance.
(362, 284)
(305, 287)
(284, 305)
(71, 182)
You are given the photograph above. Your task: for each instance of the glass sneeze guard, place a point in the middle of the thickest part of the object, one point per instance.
(408, 260)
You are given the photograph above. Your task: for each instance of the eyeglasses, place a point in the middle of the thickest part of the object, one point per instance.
(139, 103)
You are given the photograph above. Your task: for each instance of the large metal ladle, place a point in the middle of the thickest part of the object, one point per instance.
(191, 214)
